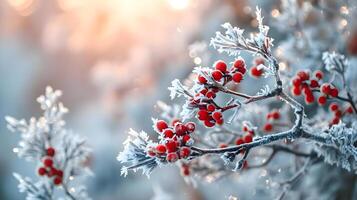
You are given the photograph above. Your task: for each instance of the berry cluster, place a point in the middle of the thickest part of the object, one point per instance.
(303, 83)
(339, 112)
(49, 169)
(209, 112)
(327, 90)
(247, 138)
(255, 70)
(272, 117)
(175, 140)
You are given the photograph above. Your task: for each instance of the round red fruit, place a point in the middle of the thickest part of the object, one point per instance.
(221, 66)
(186, 139)
(161, 125)
(349, 109)
(190, 126)
(304, 75)
(185, 171)
(334, 92)
(217, 75)
(160, 148)
(211, 108)
(211, 95)
(173, 122)
(220, 121)
(319, 74)
(171, 146)
(41, 171)
(314, 83)
(50, 151)
(268, 127)
(57, 180)
(254, 71)
(239, 141)
(297, 82)
(309, 99)
(275, 115)
(334, 106)
(202, 115)
(237, 77)
(217, 115)
(322, 100)
(168, 133)
(185, 152)
(208, 123)
(296, 91)
(248, 138)
(180, 129)
(201, 79)
(325, 88)
(172, 157)
(48, 162)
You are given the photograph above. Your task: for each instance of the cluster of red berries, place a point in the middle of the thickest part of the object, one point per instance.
(339, 112)
(247, 138)
(235, 73)
(48, 168)
(175, 140)
(208, 112)
(255, 71)
(302, 82)
(271, 118)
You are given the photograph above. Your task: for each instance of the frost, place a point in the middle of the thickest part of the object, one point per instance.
(134, 154)
(335, 62)
(177, 89)
(38, 134)
(341, 149)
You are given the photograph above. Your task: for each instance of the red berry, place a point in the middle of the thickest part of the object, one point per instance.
(309, 98)
(268, 127)
(161, 125)
(210, 95)
(325, 88)
(180, 129)
(57, 180)
(151, 153)
(239, 63)
(59, 173)
(221, 66)
(338, 113)
(239, 141)
(297, 82)
(319, 74)
(223, 145)
(185, 152)
(334, 106)
(160, 148)
(220, 121)
(208, 123)
(171, 146)
(201, 79)
(48, 162)
(334, 92)
(50, 151)
(314, 83)
(173, 122)
(349, 109)
(248, 138)
(217, 115)
(237, 77)
(190, 126)
(254, 71)
(186, 139)
(168, 133)
(304, 75)
(211, 108)
(204, 91)
(322, 100)
(296, 91)
(172, 157)
(275, 115)
(217, 75)
(245, 128)
(41, 171)
(52, 172)
(202, 115)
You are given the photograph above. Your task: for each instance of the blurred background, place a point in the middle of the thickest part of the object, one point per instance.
(113, 60)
